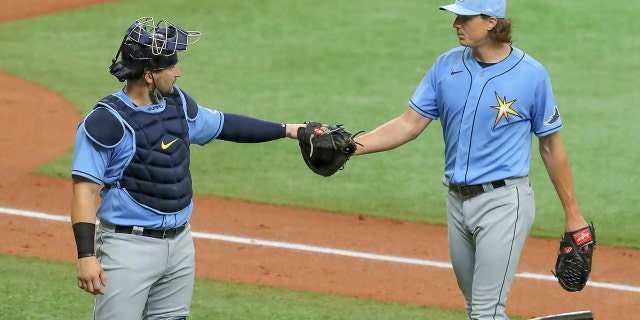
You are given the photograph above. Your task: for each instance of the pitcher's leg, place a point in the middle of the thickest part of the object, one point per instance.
(506, 218)
(461, 247)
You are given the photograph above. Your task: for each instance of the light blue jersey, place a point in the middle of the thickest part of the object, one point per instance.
(106, 165)
(488, 114)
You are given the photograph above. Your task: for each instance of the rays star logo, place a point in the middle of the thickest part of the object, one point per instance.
(504, 109)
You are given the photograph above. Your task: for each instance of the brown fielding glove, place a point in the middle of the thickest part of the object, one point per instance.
(325, 148)
(573, 265)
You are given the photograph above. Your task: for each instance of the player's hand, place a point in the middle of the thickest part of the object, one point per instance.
(91, 276)
(575, 222)
(292, 130)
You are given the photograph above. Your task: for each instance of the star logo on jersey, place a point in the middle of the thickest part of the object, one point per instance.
(165, 146)
(504, 109)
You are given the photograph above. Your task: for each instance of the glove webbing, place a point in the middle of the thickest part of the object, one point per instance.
(327, 132)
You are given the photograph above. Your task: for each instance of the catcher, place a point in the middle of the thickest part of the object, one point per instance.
(136, 144)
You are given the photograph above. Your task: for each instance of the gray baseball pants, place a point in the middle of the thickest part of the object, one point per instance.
(147, 278)
(486, 236)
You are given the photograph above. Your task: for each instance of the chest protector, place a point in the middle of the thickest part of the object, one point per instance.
(158, 175)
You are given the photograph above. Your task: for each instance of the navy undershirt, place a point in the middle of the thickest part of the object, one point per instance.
(485, 65)
(239, 128)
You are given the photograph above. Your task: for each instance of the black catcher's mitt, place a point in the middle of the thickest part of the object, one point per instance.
(574, 258)
(325, 148)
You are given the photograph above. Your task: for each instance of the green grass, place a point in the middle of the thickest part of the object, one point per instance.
(357, 63)
(28, 293)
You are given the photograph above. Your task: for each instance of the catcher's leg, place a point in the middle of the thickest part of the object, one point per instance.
(132, 264)
(171, 295)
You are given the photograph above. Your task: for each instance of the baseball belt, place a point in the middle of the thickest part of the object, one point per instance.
(153, 233)
(145, 232)
(475, 189)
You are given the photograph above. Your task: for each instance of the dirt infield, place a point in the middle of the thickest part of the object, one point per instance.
(56, 120)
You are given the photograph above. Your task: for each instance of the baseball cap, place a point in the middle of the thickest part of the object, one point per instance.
(494, 8)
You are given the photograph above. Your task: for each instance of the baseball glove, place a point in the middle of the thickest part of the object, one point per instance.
(325, 148)
(573, 265)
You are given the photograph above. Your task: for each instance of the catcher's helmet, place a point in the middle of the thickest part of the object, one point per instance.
(150, 46)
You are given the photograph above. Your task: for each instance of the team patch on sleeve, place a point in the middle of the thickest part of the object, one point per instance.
(554, 117)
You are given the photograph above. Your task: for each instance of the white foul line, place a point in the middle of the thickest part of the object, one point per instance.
(338, 252)
(37, 215)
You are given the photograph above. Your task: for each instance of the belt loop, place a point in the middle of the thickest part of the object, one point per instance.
(137, 230)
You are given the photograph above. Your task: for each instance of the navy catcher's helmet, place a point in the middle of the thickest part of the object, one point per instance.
(150, 46)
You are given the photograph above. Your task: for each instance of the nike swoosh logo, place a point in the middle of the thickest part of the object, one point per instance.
(454, 72)
(165, 146)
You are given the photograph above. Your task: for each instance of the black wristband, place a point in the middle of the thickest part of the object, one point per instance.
(84, 234)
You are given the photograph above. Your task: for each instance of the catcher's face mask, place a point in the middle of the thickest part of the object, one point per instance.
(150, 46)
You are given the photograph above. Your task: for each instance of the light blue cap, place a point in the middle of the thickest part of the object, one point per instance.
(494, 8)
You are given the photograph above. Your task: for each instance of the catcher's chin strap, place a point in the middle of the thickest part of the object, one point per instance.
(154, 95)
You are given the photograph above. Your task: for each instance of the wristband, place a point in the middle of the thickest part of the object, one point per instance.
(84, 233)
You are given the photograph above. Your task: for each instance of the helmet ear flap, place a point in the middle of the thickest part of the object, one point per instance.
(134, 58)
(118, 70)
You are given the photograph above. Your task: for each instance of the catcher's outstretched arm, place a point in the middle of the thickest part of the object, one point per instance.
(239, 128)
(406, 127)
(244, 129)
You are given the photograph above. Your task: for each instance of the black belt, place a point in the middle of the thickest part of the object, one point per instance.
(153, 233)
(476, 189)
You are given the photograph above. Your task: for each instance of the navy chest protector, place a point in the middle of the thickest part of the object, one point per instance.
(157, 176)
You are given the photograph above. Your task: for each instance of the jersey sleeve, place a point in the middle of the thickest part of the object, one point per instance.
(89, 159)
(206, 127)
(424, 99)
(546, 116)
